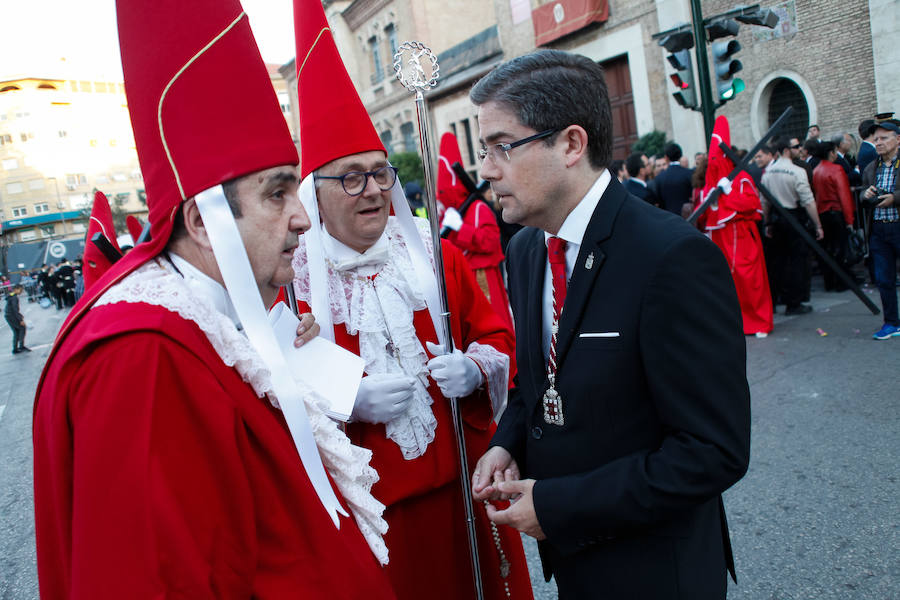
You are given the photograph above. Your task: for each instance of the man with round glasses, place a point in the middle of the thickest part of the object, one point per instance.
(630, 412)
(366, 276)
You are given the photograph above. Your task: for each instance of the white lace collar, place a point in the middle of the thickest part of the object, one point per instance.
(204, 285)
(157, 283)
(343, 258)
(377, 303)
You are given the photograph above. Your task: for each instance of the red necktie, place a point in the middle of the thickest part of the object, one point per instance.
(556, 255)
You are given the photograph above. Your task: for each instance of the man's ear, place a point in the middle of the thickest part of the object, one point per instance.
(576, 144)
(193, 224)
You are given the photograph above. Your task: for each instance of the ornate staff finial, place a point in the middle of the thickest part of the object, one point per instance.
(415, 76)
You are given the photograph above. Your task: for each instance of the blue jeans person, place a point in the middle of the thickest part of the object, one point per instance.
(884, 245)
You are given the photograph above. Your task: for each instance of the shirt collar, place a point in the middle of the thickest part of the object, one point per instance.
(203, 285)
(576, 222)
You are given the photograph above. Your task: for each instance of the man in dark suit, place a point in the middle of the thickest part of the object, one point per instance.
(638, 166)
(630, 414)
(673, 186)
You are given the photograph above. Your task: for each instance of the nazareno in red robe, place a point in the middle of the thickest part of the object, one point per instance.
(479, 239)
(159, 474)
(733, 228)
(427, 539)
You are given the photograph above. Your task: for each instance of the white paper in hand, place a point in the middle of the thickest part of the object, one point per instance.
(331, 371)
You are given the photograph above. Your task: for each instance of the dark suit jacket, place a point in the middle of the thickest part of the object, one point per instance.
(852, 176)
(641, 191)
(673, 187)
(866, 155)
(657, 417)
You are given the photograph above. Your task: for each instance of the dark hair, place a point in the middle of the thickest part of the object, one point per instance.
(698, 178)
(548, 89)
(634, 163)
(811, 146)
(865, 128)
(229, 188)
(823, 149)
(616, 166)
(673, 152)
(781, 143)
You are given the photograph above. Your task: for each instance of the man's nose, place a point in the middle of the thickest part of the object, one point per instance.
(299, 221)
(371, 190)
(489, 170)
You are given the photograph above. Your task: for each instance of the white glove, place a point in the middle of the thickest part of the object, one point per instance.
(456, 374)
(382, 397)
(452, 219)
(724, 185)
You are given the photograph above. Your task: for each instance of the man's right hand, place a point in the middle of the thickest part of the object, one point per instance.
(497, 465)
(382, 398)
(870, 191)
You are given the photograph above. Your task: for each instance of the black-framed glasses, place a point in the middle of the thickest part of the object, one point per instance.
(796, 146)
(355, 182)
(496, 150)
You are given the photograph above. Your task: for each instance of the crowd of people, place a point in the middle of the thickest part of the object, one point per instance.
(845, 201)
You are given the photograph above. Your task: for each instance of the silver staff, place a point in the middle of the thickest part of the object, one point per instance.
(414, 78)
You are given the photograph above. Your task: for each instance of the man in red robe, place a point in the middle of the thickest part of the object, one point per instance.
(173, 455)
(369, 279)
(472, 228)
(732, 224)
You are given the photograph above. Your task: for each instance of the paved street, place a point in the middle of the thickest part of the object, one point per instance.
(815, 518)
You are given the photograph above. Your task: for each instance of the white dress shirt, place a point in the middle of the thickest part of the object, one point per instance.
(572, 231)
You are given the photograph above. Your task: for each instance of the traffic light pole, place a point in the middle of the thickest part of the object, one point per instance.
(707, 107)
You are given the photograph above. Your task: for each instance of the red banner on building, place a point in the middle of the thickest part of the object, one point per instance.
(562, 17)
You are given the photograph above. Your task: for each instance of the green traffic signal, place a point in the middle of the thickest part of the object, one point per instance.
(737, 86)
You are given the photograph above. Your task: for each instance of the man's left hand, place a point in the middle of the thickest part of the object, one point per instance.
(520, 515)
(886, 200)
(456, 374)
(307, 329)
(452, 219)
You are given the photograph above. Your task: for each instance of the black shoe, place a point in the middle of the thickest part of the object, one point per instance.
(16, 351)
(800, 309)
(24, 349)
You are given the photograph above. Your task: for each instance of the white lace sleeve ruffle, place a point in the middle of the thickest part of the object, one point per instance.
(158, 284)
(495, 366)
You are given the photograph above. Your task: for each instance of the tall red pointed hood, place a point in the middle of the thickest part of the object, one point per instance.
(202, 108)
(450, 190)
(95, 262)
(718, 164)
(333, 120)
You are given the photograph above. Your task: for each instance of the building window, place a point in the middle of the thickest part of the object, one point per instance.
(14, 188)
(101, 180)
(28, 235)
(10, 163)
(72, 181)
(40, 209)
(377, 65)
(36, 184)
(467, 130)
(409, 139)
(20, 211)
(78, 228)
(387, 140)
(390, 32)
(119, 177)
(787, 93)
(48, 230)
(5, 139)
(62, 133)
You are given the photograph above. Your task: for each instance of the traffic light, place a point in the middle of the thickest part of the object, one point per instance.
(683, 78)
(679, 44)
(724, 64)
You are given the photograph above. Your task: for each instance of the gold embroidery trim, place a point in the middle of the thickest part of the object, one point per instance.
(311, 48)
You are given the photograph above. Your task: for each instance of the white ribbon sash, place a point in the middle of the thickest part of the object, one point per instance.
(239, 281)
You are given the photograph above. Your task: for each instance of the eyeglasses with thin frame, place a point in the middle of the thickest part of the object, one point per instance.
(796, 146)
(495, 150)
(355, 182)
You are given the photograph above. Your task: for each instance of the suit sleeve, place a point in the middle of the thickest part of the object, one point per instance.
(693, 354)
(510, 433)
(160, 501)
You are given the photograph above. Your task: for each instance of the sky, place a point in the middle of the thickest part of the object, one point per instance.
(38, 33)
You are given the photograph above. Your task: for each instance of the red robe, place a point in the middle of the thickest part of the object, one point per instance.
(427, 539)
(159, 473)
(733, 228)
(479, 239)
